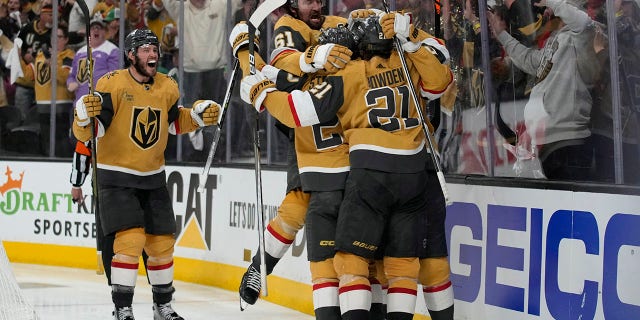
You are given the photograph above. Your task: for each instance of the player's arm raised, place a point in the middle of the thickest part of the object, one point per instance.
(429, 55)
(298, 108)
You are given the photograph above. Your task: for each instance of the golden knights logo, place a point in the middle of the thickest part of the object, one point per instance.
(43, 73)
(83, 71)
(145, 126)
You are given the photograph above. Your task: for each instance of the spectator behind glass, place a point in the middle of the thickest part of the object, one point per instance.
(112, 20)
(627, 26)
(204, 62)
(77, 24)
(344, 7)
(160, 23)
(105, 59)
(557, 114)
(33, 36)
(10, 18)
(64, 98)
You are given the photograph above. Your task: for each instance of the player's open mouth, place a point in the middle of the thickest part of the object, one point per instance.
(152, 64)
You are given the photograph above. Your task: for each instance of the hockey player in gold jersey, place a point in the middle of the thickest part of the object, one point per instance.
(318, 164)
(135, 109)
(386, 185)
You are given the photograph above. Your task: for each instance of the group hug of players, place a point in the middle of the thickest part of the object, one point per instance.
(360, 178)
(363, 184)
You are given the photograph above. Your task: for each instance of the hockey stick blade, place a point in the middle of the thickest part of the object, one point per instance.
(85, 11)
(263, 10)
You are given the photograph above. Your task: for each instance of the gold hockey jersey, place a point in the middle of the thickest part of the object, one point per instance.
(137, 119)
(373, 103)
(321, 149)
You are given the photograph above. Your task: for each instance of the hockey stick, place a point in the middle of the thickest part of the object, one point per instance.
(94, 146)
(216, 135)
(421, 117)
(255, 21)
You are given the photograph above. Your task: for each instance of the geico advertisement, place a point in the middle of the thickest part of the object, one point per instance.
(514, 253)
(535, 254)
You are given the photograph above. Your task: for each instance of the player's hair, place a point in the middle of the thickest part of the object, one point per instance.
(138, 38)
(368, 35)
(339, 35)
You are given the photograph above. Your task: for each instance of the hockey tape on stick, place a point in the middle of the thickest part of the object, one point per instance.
(263, 10)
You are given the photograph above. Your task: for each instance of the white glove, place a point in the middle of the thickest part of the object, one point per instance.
(87, 107)
(270, 72)
(254, 89)
(239, 37)
(402, 25)
(399, 24)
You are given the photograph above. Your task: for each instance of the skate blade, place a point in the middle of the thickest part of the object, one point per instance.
(243, 304)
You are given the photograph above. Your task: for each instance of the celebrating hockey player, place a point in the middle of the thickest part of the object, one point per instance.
(134, 110)
(318, 163)
(386, 186)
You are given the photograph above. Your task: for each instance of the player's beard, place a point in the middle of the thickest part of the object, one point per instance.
(313, 24)
(144, 69)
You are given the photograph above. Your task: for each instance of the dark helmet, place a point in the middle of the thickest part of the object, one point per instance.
(138, 38)
(294, 3)
(339, 35)
(368, 35)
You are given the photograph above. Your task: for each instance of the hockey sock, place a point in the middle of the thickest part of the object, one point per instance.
(162, 293)
(325, 301)
(378, 309)
(270, 261)
(439, 301)
(122, 296)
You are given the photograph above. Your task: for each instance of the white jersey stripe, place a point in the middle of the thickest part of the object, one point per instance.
(303, 107)
(130, 171)
(324, 169)
(387, 150)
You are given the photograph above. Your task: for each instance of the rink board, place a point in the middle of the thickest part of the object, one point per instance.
(514, 253)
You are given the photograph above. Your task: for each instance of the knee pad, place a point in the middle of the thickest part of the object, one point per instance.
(434, 271)
(407, 268)
(291, 214)
(322, 271)
(129, 243)
(347, 264)
(160, 248)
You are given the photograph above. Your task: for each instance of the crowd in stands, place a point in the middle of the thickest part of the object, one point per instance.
(563, 129)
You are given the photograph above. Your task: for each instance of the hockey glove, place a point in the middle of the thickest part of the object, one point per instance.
(239, 38)
(254, 89)
(399, 23)
(329, 57)
(360, 14)
(206, 113)
(87, 107)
